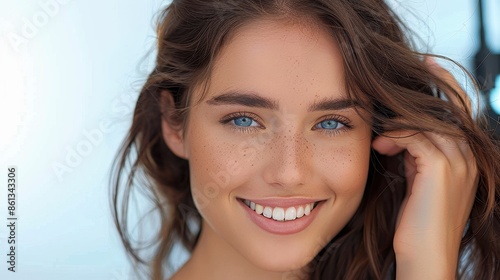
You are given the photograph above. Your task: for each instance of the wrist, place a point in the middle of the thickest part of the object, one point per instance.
(425, 266)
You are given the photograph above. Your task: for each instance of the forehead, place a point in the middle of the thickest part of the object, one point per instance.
(284, 60)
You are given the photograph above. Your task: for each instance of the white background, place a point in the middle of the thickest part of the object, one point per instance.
(69, 76)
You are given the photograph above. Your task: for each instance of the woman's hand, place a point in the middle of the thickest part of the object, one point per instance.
(441, 177)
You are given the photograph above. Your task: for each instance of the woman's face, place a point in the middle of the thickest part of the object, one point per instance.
(275, 130)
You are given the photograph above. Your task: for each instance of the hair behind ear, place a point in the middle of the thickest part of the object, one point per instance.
(172, 133)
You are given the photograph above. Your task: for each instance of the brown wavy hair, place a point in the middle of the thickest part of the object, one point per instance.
(384, 74)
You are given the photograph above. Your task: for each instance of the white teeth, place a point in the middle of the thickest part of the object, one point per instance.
(290, 214)
(300, 212)
(281, 214)
(252, 205)
(307, 209)
(259, 209)
(268, 212)
(278, 214)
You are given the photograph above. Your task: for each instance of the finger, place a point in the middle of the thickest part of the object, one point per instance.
(417, 144)
(470, 160)
(427, 149)
(446, 76)
(455, 155)
(458, 152)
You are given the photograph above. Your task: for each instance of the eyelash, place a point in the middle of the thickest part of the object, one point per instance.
(237, 115)
(341, 120)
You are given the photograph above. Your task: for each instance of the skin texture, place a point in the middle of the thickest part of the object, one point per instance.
(285, 154)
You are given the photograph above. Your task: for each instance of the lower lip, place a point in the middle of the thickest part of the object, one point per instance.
(285, 227)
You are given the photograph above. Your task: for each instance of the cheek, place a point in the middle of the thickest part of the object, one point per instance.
(216, 164)
(345, 168)
(344, 172)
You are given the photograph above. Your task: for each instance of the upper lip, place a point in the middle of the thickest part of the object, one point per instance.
(283, 202)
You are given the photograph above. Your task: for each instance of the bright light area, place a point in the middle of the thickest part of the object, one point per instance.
(492, 8)
(495, 96)
(12, 95)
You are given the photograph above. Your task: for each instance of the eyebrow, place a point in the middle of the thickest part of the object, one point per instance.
(327, 104)
(251, 99)
(248, 99)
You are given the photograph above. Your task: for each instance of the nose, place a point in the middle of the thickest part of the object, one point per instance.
(289, 158)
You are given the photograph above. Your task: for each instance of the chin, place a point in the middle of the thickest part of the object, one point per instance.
(284, 265)
(276, 259)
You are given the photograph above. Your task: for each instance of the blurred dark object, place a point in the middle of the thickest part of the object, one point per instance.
(487, 68)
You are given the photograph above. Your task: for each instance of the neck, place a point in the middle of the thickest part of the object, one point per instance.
(214, 258)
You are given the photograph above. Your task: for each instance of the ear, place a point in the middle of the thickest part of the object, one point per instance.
(172, 135)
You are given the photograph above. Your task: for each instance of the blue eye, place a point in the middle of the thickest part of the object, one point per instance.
(329, 124)
(244, 121)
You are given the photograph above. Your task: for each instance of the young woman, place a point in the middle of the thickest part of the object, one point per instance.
(299, 139)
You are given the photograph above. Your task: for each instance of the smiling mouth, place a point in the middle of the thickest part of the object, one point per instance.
(281, 214)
